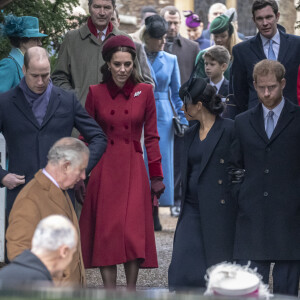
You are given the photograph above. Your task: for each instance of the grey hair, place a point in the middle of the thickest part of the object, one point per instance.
(217, 5)
(68, 149)
(53, 232)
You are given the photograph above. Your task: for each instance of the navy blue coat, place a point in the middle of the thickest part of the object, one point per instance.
(28, 143)
(250, 52)
(268, 219)
(25, 269)
(216, 206)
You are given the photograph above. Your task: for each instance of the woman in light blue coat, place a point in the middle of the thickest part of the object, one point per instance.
(23, 33)
(165, 72)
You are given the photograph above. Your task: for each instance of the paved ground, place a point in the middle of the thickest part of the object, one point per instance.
(148, 278)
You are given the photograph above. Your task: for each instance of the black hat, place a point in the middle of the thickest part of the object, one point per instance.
(193, 90)
(156, 26)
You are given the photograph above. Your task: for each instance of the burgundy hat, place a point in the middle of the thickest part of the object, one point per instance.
(192, 20)
(115, 42)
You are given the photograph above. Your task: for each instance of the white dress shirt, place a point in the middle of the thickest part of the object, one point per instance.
(50, 177)
(217, 85)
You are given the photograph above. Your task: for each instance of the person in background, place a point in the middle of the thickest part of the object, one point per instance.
(146, 12)
(206, 225)
(46, 194)
(165, 72)
(179, 46)
(23, 33)
(216, 60)
(194, 27)
(79, 59)
(53, 245)
(116, 221)
(215, 10)
(233, 11)
(270, 42)
(224, 34)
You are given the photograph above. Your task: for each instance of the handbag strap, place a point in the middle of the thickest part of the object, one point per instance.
(173, 109)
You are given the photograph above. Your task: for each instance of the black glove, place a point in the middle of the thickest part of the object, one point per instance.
(237, 175)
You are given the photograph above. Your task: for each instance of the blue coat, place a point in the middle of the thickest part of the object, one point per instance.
(166, 76)
(250, 52)
(28, 143)
(11, 70)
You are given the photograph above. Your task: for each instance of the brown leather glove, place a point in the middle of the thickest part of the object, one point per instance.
(157, 187)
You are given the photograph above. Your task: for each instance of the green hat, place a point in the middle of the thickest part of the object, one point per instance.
(21, 27)
(220, 24)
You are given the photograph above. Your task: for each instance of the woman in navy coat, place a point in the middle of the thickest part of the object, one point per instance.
(205, 229)
(165, 73)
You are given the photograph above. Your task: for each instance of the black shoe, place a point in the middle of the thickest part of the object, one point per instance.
(157, 225)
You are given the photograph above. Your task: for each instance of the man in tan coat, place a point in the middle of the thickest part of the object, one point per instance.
(46, 194)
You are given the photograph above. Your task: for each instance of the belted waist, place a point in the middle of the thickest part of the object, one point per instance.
(161, 95)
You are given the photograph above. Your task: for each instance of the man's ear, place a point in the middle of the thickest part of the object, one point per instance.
(224, 67)
(24, 70)
(255, 85)
(63, 251)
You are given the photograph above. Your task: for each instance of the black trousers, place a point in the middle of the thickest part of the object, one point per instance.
(285, 274)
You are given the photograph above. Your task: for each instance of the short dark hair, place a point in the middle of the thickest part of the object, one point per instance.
(266, 67)
(105, 69)
(218, 53)
(172, 10)
(113, 2)
(259, 4)
(16, 40)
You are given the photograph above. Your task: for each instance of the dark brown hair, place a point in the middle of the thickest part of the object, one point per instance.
(259, 4)
(106, 72)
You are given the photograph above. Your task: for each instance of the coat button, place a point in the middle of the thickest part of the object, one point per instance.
(266, 194)
(126, 111)
(266, 171)
(222, 201)
(220, 181)
(112, 112)
(222, 161)
(126, 126)
(112, 142)
(126, 141)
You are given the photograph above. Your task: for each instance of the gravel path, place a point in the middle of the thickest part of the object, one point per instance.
(148, 278)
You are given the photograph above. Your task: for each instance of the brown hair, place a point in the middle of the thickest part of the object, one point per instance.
(219, 54)
(172, 10)
(266, 67)
(106, 72)
(259, 4)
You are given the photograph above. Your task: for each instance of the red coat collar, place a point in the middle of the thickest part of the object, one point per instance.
(93, 28)
(114, 90)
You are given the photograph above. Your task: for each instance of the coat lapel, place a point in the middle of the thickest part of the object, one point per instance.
(257, 122)
(54, 102)
(284, 46)
(158, 62)
(216, 133)
(286, 116)
(257, 48)
(22, 104)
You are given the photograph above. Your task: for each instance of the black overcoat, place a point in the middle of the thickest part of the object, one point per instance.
(217, 208)
(268, 221)
(28, 142)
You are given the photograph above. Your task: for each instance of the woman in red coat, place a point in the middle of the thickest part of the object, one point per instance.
(116, 221)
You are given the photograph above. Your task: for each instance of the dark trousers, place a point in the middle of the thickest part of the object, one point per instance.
(178, 149)
(285, 274)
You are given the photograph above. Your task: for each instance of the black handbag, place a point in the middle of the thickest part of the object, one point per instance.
(178, 127)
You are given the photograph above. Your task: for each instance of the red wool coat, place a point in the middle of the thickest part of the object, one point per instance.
(116, 221)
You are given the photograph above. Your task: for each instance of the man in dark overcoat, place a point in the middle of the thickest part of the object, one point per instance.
(186, 52)
(270, 42)
(33, 116)
(266, 148)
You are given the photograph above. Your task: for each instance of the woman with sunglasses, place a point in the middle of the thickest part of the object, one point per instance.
(205, 229)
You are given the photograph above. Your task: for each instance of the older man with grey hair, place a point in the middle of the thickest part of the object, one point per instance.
(46, 194)
(53, 246)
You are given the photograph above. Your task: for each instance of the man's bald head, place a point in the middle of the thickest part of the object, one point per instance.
(35, 53)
